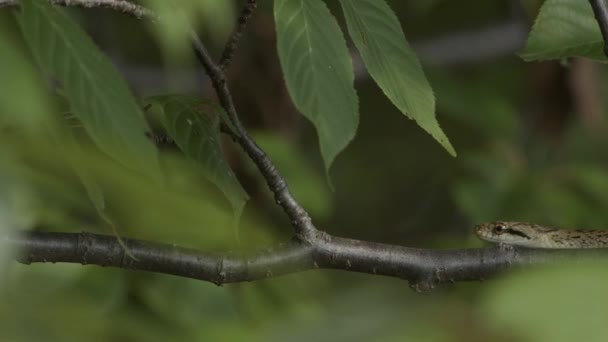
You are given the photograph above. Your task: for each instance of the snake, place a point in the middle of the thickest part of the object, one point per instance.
(533, 235)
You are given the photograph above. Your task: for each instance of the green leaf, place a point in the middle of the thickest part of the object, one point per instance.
(16, 106)
(392, 63)
(318, 71)
(532, 305)
(95, 194)
(98, 95)
(194, 125)
(564, 28)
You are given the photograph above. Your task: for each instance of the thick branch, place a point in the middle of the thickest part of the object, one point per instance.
(600, 10)
(423, 268)
(103, 250)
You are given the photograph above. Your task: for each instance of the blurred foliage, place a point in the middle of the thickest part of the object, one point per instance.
(194, 125)
(172, 28)
(24, 80)
(564, 303)
(392, 184)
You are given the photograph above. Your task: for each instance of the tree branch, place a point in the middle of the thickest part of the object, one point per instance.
(423, 268)
(233, 42)
(300, 219)
(600, 10)
(311, 249)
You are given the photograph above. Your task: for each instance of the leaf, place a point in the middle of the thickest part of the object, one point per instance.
(564, 28)
(16, 106)
(531, 305)
(95, 194)
(68, 141)
(98, 95)
(392, 63)
(194, 126)
(318, 71)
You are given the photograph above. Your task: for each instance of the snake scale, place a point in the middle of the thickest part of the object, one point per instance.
(536, 236)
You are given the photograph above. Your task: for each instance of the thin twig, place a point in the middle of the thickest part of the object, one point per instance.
(600, 10)
(233, 42)
(299, 217)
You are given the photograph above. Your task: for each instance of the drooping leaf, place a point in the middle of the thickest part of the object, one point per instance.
(98, 95)
(392, 63)
(194, 125)
(564, 28)
(318, 71)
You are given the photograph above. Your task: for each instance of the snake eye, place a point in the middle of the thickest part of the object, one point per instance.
(499, 229)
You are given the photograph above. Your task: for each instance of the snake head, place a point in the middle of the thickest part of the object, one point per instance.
(510, 232)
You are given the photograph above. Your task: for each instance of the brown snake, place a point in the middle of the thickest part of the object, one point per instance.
(536, 236)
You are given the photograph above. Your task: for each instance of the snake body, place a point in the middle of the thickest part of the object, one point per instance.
(536, 236)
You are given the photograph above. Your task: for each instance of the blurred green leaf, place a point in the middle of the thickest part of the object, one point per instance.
(194, 125)
(493, 191)
(560, 303)
(212, 18)
(216, 17)
(392, 63)
(22, 318)
(589, 185)
(15, 209)
(488, 110)
(592, 179)
(318, 71)
(479, 202)
(564, 28)
(558, 204)
(148, 210)
(16, 106)
(189, 303)
(97, 198)
(171, 31)
(98, 95)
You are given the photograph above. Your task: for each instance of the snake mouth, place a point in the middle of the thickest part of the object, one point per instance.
(489, 238)
(519, 233)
